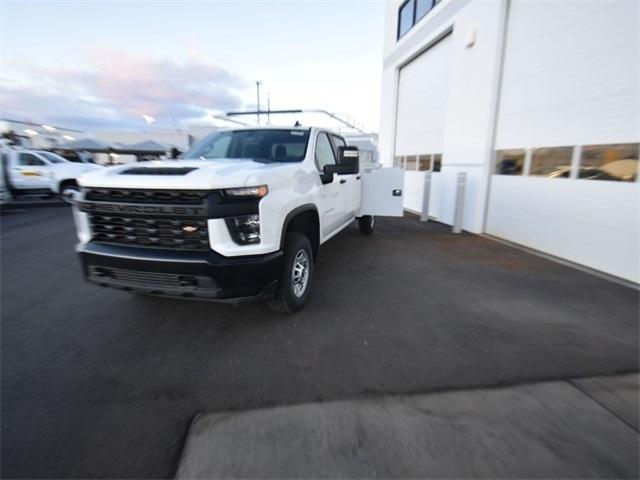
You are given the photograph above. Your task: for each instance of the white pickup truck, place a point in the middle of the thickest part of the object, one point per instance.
(241, 217)
(38, 172)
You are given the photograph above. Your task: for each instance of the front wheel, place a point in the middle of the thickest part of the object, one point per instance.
(366, 224)
(295, 280)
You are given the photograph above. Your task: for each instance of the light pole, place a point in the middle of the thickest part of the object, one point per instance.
(268, 108)
(258, 82)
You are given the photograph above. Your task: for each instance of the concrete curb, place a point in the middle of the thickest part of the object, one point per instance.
(541, 430)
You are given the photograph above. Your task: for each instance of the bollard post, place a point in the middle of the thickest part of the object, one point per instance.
(459, 212)
(426, 194)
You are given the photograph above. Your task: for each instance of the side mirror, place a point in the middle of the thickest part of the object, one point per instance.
(348, 164)
(327, 174)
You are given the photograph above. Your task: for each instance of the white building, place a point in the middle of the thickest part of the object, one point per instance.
(36, 135)
(167, 136)
(538, 102)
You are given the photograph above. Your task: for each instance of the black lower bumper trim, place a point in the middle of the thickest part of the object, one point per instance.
(203, 275)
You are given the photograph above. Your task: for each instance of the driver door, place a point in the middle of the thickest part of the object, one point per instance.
(30, 172)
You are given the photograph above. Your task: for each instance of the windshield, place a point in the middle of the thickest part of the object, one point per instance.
(260, 145)
(52, 157)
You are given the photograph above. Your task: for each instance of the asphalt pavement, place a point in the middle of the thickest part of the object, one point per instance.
(100, 383)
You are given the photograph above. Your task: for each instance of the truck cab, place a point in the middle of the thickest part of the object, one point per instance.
(38, 172)
(241, 217)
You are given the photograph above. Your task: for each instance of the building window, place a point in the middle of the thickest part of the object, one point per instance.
(410, 162)
(553, 162)
(609, 162)
(411, 12)
(510, 162)
(437, 162)
(406, 17)
(423, 7)
(424, 162)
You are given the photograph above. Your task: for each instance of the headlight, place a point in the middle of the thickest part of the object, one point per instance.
(252, 192)
(244, 229)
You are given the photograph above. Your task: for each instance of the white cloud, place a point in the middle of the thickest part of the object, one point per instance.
(116, 89)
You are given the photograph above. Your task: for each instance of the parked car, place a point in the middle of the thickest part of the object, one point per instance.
(241, 217)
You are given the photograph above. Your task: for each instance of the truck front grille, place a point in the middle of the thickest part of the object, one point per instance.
(131, 195)
(150, 231)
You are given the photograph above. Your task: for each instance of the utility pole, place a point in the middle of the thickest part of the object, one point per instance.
(258, 82)
(268, 108)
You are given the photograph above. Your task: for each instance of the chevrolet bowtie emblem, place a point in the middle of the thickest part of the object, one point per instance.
(189, 229)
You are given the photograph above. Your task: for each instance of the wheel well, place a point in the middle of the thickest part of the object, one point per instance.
(68, 181)
(307, 223)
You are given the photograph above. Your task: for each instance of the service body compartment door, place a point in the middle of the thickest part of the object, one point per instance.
(382, 192)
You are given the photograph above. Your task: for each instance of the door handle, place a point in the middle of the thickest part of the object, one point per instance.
(343, 181)
(358, 177)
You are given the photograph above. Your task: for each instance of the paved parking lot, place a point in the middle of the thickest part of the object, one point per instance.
(98, 383)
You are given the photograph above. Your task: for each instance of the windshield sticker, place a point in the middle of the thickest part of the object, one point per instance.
(295, 132)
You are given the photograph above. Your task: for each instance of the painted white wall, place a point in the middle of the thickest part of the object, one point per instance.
(571, 73)
(594, 223)
(471, 107)
(414, 190)
(470, 93)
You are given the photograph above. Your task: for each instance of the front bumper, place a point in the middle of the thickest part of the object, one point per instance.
(182, 274)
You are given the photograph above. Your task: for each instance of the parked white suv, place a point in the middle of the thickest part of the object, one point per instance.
(241, 217)
(38, 172)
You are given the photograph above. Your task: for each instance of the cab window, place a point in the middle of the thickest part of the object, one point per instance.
(324, 152)
(30, 160)
(337, 142)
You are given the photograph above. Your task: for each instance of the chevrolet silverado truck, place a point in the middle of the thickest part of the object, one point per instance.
(28, 173)
(241, 217)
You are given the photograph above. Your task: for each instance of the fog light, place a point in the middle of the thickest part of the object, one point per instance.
(245, 229)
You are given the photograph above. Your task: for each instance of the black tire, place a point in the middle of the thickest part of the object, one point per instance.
(290, 295)
(366, 224)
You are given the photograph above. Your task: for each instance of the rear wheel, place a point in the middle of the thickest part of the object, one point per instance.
(366, 224)
(295, 281)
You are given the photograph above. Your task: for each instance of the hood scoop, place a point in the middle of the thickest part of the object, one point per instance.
(175, 171)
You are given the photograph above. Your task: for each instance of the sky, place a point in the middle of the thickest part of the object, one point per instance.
(103, 64)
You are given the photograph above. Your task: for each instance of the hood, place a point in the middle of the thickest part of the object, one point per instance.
(181, 174)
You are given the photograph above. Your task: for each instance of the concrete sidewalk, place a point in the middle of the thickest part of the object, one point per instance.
(586, 428)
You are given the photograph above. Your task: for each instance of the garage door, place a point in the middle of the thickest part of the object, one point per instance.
(422, 98)
(567, 134)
